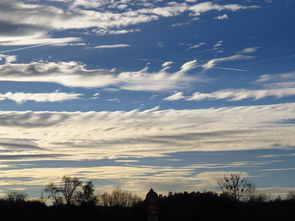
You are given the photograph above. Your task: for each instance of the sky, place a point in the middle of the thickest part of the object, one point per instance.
(141, 94)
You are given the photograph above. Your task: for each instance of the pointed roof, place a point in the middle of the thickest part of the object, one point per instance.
(151, 195)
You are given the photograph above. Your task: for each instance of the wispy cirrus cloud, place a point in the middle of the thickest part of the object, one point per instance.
(20, 97)
(196, 46)
(242, 94)
(156, 132)
(275, 85)
(235, 94)
(30, 119)
(102, 31)
(249, 50)
(167, 63)
(188, 66)
(284, 80)
(36, 40)
(213, 62)
(113, 46)
(202, 7)
(74, 74)
(28, 23)
(236, 57)
(175, 97)
(18, 144)
(134, 135)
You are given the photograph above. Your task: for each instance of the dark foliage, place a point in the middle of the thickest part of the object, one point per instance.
(211, 206)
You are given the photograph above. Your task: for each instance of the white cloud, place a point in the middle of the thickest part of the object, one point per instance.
(285, 77)
(154, 132)
(279, 169)
(162, 81)
(196, 46)
(113, 46)
(188, 66)
(135, 179)
(242, 94)
(113, 100)
(200, 8)
(174, 97)
(277, 86)
(95, 96)
(70, 74)
(119, 135)
(8, 58)
(212, 63)
(222, 17)
(20, 97)
(277, 155)
(167, 63)
(277, 81)
(74, 74)
(29, 23)
(39, 40)
(28, 19)
(166, 66)
(114, 32)
(249, 50)
(191, 0)
(218, 44)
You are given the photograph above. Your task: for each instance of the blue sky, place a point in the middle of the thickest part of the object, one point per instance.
(138, 94)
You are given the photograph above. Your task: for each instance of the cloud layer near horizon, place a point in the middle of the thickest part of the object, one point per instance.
(85, 136)
(153, 132)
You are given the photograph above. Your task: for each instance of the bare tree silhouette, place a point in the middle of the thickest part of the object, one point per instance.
(68, 188)
(15, 197)
(54, 193)
(290, 196)
(236, 187)
(119, 197)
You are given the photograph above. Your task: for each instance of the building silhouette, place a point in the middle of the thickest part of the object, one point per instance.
(152, 205)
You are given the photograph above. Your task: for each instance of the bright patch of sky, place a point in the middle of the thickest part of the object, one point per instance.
(125, 92)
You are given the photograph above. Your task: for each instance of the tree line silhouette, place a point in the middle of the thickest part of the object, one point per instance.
(72, 199)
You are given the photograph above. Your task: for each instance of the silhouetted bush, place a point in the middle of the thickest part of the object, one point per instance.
(119, 197)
